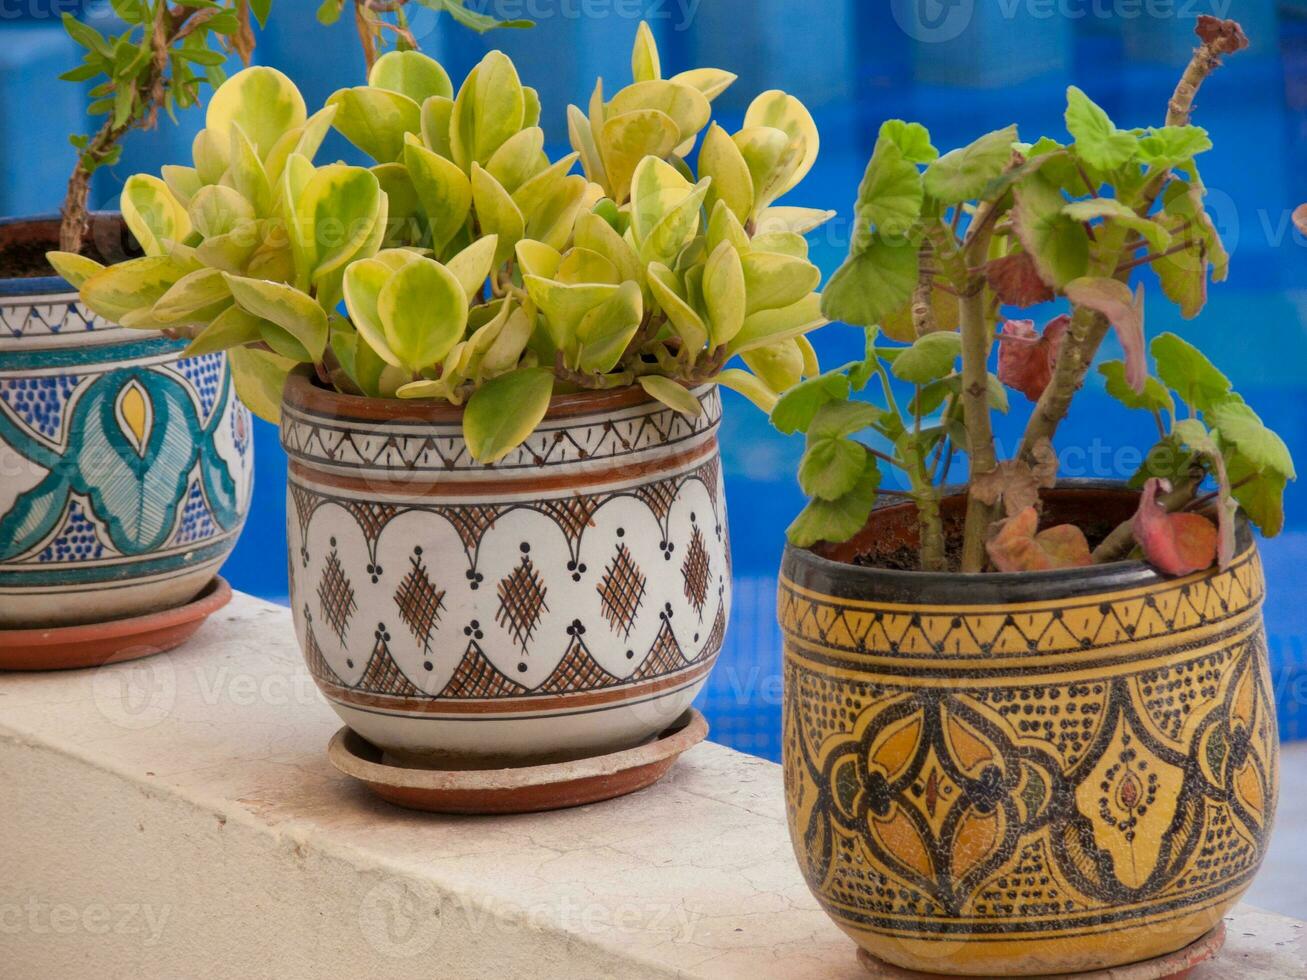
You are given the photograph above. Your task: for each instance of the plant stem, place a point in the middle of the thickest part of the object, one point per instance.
(977, 338)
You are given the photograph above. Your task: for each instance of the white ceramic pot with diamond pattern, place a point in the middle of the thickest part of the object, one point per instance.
(564, 602)
(125, 469)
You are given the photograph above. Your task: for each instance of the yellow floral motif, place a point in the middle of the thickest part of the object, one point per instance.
(979, 785)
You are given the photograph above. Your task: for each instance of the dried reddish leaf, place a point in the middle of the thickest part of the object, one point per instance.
(1025, 359)
(1300, 218)
(1016, 483)
(1017, 548)
(1016, 282)
(1175, 544)
(1125, 311)
(1222, 36)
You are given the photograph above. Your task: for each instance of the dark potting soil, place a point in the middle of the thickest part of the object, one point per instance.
(23, 245)
(906, 558)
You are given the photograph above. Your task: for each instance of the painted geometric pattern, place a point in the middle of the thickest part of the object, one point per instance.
(47, 319)
(515, 599)
(38, 403)
(204, 373)
(124, 456)
(1042, 806)
(622, 590)
(319, 440)
(1038, 629)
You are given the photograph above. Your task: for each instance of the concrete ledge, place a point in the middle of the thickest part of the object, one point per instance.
(177, 817)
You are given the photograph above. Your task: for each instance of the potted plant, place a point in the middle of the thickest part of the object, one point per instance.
(1029, 726)
(127, 466)
(497, 383)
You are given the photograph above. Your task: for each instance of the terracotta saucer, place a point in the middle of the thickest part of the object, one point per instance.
(530, 789)
(1176, 966)
(96, 644)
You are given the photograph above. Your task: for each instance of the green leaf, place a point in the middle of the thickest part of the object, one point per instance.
(1168, 460)
(831, 468)
(773, 281)
(838, 520)
(474, 20)
(891, 193)
(152, 214)
(411, 73)
(87, 36)
(873, 284)
(1260, 494)
(1154, 398)
(234, 328)
(497, 213)
(732, 183)
(1058, 244)
(604, 333)
(725, 294)
(285, 306)
(963, 174)
(443, 189)
(912, 139)
(263, 102)
(1187, 371)
(797, 408)
(134, 285)
(1116, 212)
(672, 394)
(930, 358)
(1098, 142)
(76, 269)
(376, 120)
(259, 377)
(1169, 146)
(503, 412)
(840, 419)
(423, 311)
(1241, 427)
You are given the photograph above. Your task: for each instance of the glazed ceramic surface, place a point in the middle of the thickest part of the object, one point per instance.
(127, 471)
(568, 600)
(1067, 773)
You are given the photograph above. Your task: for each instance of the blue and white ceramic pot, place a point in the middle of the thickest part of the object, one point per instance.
(125, 470)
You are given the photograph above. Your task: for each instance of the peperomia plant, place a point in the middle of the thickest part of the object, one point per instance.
(465, 265)
(943, 246)
(159, 62)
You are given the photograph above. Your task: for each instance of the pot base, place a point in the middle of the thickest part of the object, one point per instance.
(113, 641)
(529, 789)
(1175, 966)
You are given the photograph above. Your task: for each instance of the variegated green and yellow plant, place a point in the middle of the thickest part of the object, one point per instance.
(467, 266)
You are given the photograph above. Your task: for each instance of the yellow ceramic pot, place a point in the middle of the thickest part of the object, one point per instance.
(1017, 775)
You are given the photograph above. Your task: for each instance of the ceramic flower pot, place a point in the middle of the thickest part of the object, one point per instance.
(566, 601)
(127, 470)
(1025, 774)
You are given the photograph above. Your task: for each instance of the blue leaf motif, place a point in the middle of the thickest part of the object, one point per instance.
(148, 422)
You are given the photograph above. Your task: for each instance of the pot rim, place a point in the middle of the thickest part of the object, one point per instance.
(804, 567)
(303, 392)
(40, 285)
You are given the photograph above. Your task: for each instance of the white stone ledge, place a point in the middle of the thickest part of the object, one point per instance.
(177, 818)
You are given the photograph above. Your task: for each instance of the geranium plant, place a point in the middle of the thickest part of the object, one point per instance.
(159, 62)
(946, 249)
(465, 265)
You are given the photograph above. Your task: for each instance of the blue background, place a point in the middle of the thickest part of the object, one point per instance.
(961, 66)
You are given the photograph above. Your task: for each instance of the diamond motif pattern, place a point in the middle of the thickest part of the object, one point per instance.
(621, 591)
(522, 602)
(696, 570)
(419, 601)
(336, 596)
